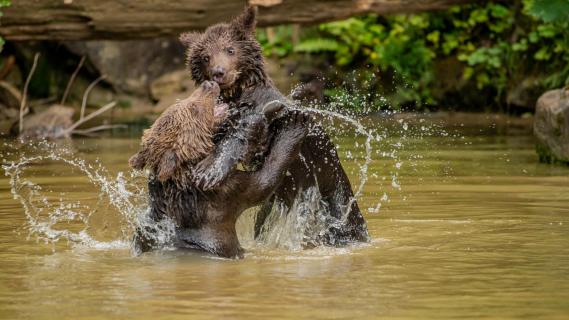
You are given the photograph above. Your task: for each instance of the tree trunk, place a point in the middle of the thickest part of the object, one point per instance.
(124, 19)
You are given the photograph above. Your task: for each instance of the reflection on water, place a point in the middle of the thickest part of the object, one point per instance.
(463, 224)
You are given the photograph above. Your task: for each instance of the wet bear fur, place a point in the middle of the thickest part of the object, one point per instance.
(229, 54)
(181, 135)
(205, 219)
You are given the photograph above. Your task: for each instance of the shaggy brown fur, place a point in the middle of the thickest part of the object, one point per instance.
(229, 54)
(205, 220)
(181, 136)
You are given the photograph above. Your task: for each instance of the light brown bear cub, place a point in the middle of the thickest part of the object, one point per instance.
(182, 135)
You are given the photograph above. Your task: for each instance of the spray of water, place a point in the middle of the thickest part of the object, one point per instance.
(307, 221)
(53, 219)
(292, 228)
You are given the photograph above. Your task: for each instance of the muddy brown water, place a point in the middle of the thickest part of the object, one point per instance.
(468, 226)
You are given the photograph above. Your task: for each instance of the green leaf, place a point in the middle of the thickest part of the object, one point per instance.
(450, 43)
(468, 73)
(550, 10)
(477, 16)
(533, 37)
(499, 11)
(546, 31)
(316, 45)
(522, 45)
(434, 37)
(542, 54)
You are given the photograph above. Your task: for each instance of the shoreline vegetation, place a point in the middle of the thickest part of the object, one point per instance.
(492, 58)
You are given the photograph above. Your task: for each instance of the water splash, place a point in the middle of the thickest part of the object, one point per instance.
(298, 227)
(52, 219)
(307, 221)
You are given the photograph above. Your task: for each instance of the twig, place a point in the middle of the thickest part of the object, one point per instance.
(99, 128)
(72, 79)
(8, 64)
(89, 117)
(86, 95)
(25, 92)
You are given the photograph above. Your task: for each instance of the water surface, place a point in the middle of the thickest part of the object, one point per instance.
(464, 225)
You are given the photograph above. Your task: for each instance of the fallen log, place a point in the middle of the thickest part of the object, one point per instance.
(95, 19)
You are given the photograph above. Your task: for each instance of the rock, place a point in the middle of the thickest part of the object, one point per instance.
(130, 66)
(48, 124)
(525, 93)
(551, 126)
(170, 84)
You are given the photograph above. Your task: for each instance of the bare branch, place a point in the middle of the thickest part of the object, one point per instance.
(99, 128)
(72, 79)
(23, 109)
(89, 117)
(86, 95)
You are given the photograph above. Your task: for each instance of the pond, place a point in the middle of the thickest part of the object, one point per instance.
(464, 221)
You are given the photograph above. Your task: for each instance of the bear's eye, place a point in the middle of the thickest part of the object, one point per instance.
(205, 59)
(230, 51)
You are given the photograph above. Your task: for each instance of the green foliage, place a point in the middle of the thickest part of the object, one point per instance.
(549, 10)
(317, 45)
(498, 43)
(3, 4)
(395, 46)
(276, 41)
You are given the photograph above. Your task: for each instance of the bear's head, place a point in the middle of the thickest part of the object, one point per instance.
(226, 53)
(182, 135)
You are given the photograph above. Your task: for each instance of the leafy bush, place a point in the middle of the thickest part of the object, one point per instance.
(498, 43)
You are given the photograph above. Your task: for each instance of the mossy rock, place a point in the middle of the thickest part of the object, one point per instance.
(546, 156)
(551, 126)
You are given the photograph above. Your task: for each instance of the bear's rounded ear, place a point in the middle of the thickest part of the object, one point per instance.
(246, 21)
(188, 38)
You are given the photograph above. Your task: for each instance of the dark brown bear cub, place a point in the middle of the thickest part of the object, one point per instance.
(181, 135)
(181, 140)
(229, 54)
(205, 219)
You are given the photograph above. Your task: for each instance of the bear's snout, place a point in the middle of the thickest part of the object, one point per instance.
(218, 74)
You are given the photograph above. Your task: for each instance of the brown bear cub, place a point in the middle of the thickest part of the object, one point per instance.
(205, 219)
(181, 140)
(229, 54)
(182, 135)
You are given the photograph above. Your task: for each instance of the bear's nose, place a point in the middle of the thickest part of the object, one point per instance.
(217, 74)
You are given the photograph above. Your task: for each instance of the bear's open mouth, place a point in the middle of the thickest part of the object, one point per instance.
(227, 81)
